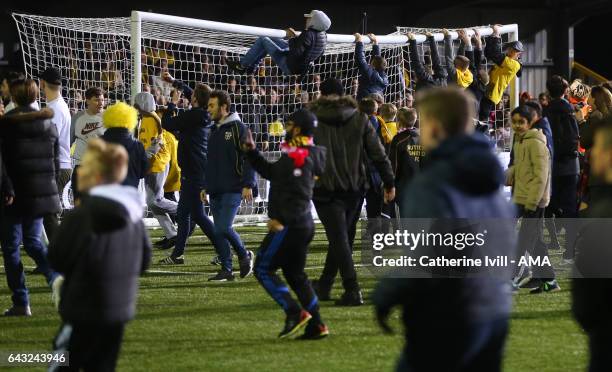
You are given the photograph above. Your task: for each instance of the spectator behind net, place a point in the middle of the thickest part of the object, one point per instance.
(292, 56)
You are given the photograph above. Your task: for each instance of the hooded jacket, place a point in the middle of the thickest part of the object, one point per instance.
(348, 137)
(148, 134)
(544, 126)
(462, 178)
(30, 150)
(173, 179)
(503, 71)
(424, 79)
(192, 128)
(405, 153)
(529, 176)
(566, 137)
(370, 79)
(101, 248)
(138, 165)
(308, 46)
(227, 170)
(291, 184)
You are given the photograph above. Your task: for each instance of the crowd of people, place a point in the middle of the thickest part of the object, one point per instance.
(338, 152)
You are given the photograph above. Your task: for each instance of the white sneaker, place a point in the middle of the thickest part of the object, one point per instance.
(56, 289)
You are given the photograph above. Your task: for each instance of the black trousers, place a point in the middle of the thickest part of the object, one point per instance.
(564, 204)
(338, 211)
(91, 348)
(486, 106)
(530, 240)
(287, 250)
(51, 221)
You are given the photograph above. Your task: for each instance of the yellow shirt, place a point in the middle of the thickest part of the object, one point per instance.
(173, 180)
(149, 129)
(388, 130)
(500, 77)
(465, 78)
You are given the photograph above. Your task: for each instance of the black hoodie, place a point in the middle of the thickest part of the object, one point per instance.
(462, 178)
(138, 165)
(348, 137)
(564, 127)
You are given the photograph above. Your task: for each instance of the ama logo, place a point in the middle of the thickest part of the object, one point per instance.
(534, 261)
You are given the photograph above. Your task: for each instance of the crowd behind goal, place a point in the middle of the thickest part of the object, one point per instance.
(208, 129)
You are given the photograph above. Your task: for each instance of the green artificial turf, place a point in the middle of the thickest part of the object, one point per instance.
(185, 323)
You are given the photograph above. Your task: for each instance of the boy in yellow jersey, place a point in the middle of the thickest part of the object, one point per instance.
(154, 139)
(506, 68)
(388, 129)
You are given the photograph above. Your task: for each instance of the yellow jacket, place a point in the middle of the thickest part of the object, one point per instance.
(388, 130)
(173, 180)
(500, 77)
(149, 130)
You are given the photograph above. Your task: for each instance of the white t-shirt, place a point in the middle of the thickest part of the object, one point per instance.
(86, 127)
(61, 119)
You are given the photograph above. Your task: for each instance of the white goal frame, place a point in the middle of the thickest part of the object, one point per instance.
(138, 17)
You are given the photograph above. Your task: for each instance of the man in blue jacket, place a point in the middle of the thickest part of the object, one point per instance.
(229, 180)
(372, 76)
(193, 127)
(455, 324)
(292, 56)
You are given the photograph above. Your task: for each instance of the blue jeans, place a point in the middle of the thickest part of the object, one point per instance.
(224, 208)
(277, 48)
(191, 208)
(28, 230)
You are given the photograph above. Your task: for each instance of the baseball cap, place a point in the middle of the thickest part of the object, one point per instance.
(52, 76)
(304, 119)
(516, 45)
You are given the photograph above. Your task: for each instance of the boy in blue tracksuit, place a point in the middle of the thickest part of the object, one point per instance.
(372, 76)
(193, 127)
(229, 180)
(291, 227)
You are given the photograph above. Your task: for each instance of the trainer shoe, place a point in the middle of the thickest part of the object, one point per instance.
(350, 298)
(294, 323)
(522, 279)
(56, 290)
(246, 265)
(160, 243)
(18, 311)
(216, 261)
(314, 331)
(236, 67)
(180, 260)
(169, 243)
(222, 276)
(323, 292)
(550, 286)
(532, 283)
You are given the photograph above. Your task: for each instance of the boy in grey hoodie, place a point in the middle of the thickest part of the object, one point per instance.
(292, 56)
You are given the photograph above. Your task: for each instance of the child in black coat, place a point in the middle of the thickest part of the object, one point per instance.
(291, 227)
(101, 248)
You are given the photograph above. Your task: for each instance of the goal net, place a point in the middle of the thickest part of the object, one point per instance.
(101, 52)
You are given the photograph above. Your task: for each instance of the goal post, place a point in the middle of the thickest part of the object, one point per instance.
(125, 55)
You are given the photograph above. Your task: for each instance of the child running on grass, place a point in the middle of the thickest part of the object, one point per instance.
(291, 226)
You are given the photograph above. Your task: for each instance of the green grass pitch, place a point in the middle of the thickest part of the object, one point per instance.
(185, 323)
